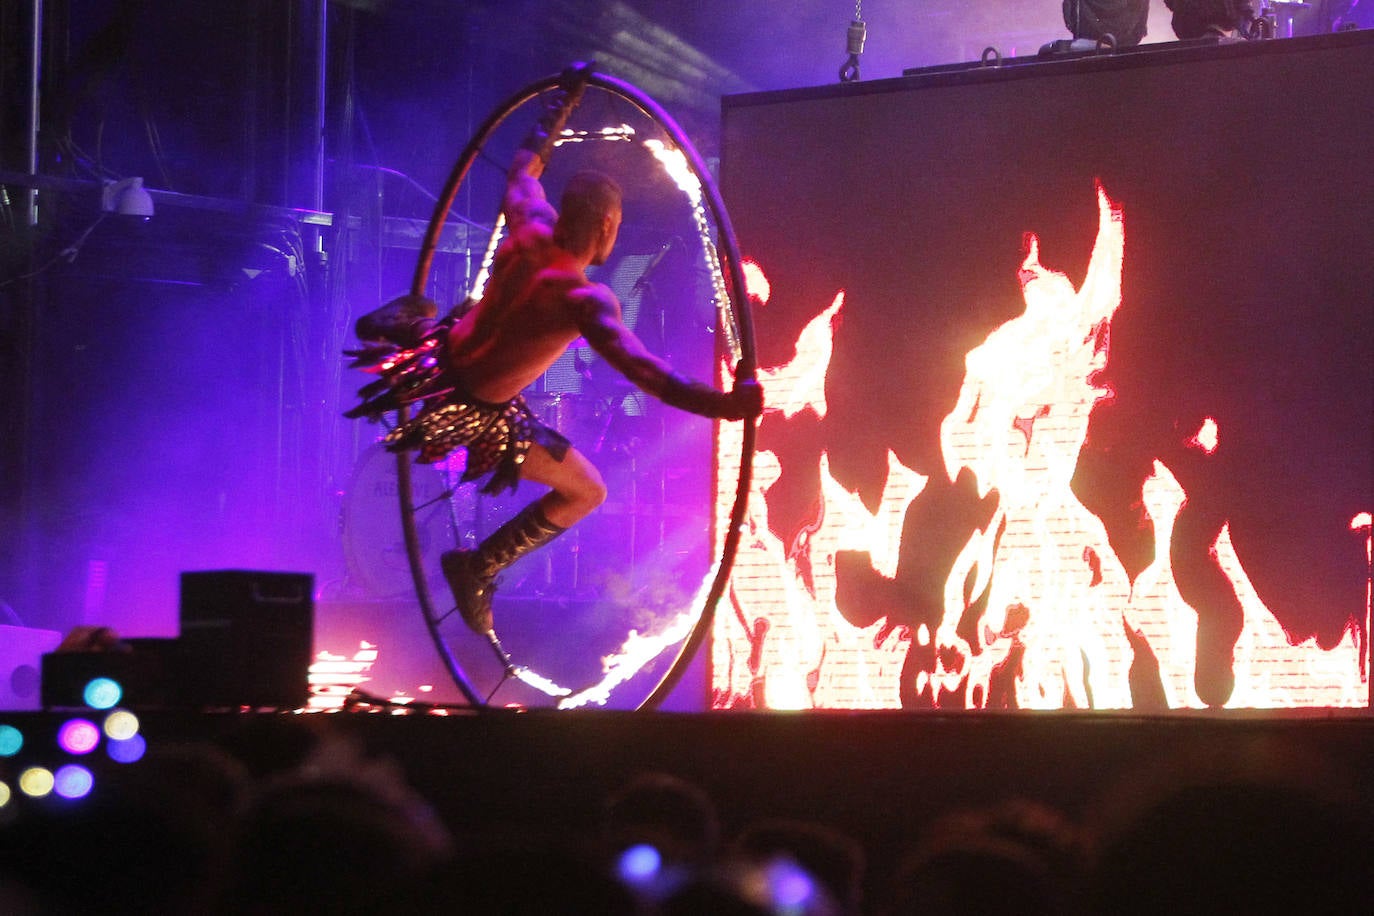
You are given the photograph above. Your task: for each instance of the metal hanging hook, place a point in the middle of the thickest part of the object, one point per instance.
(854, 44)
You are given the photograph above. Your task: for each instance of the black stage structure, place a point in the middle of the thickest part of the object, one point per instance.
(1010, 307)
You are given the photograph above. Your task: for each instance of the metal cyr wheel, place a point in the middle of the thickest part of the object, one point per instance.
(668, 649)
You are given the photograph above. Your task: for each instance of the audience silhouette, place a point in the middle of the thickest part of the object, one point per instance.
(309, 823)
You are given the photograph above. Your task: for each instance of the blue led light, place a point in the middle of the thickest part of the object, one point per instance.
(791, 887)
(11, 740)
(73, 781)
(639, 864)
(102, 693)
(129, 750)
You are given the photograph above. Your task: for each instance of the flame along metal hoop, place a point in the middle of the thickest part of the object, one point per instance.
(738, 303)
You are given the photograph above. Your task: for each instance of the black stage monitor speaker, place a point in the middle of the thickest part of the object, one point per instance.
(246, 638)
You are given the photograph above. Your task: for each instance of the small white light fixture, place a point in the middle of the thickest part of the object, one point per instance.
(127, 197)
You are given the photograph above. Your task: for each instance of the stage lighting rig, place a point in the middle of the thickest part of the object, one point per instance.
(1099, 24)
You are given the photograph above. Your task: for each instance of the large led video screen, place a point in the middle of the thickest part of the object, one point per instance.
(1069, 367)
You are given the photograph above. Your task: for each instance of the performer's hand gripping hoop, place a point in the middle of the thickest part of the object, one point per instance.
(560, 106)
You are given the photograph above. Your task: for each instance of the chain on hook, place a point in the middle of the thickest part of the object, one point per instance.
(857, 33)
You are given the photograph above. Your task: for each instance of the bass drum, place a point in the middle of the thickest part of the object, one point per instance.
(374, 545)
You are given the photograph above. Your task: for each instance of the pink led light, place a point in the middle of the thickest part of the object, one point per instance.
(78, 736)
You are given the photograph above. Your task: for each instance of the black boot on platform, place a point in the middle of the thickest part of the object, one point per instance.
(471, 574)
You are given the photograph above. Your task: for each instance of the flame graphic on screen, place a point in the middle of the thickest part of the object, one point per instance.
(1062, 616)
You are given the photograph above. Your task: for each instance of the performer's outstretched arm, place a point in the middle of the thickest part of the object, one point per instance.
(599, 320)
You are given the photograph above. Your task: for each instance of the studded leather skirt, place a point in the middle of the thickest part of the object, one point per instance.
(442, 418)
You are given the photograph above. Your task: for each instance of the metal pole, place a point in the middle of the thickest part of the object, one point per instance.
(321, 100)
(35, 74)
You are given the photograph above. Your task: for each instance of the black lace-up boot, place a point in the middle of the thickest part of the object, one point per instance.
(471, 574)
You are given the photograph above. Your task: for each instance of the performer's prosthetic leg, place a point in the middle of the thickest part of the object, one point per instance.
(471, 574)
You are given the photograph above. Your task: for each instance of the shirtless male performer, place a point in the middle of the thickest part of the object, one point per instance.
(469, 374)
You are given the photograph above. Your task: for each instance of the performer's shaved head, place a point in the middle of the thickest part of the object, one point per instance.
(588, 198)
